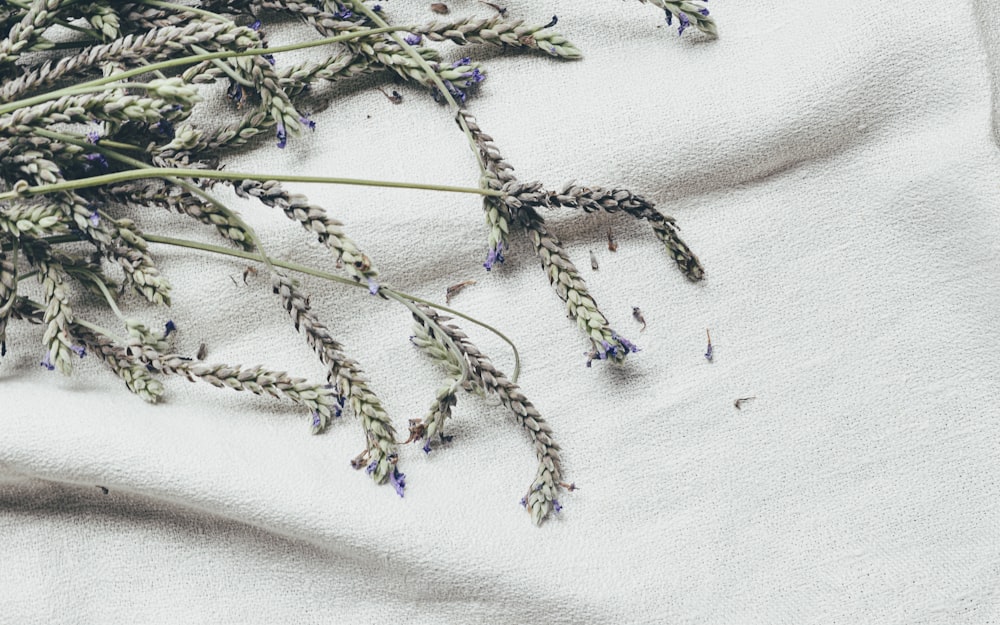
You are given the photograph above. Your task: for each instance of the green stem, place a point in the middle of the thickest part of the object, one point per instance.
(167, 172)
(191, 60)
(463, 363)
(208, 247)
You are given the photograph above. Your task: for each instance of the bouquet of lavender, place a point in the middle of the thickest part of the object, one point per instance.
(98, 122)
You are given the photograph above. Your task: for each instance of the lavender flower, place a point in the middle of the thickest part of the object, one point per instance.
(412, 39)
(165, 128)
(495, 256)
(316, 422)
(169, 328)
(427, 446)
(683, 22)
(524, 502)
(97, 160)
(308, 123)
(95, 218)
(47, 361)
(79, 350)
(93, 137)
(629, 346)
(556, 506)
(398, 481)
(256, 25)
(371, 467)
(282, 136)
(372, 286)
(377, 8)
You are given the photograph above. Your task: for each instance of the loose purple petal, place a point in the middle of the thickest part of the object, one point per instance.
(398, 481)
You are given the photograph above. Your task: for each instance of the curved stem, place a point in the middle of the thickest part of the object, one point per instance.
(318, 273)
(463, 363)
(455, 108)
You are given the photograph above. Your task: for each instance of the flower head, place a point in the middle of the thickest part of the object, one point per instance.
(398, 481)
(47, 361)
(495, 256)
(282, 136)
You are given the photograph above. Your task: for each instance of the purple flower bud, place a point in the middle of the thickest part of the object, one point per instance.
(372, 286)
(683, 22)
(556, 506)
(398, 481)
(47, 361)
(79, 350)
(371, 467)
(165, 128)
(270, 58)
(670, 18)
(317, 422)
(97, 159)
(377, 8)
(412, 39)
(462, 61)
(427, 446)
(308, 123)
(95, 218)
(703, 12)
(256, 25)
(629, 346)
(169, 327)
(93, 136)
(495, 256)
(709, 353)
(282, 136)
(524, 502)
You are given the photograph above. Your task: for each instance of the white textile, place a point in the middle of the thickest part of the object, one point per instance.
(834, 165)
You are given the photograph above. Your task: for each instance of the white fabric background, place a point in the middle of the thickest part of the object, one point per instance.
(835, 168)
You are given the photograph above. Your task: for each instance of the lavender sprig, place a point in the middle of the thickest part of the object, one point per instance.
(482, 374)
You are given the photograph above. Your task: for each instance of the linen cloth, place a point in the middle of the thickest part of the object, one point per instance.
(834, 166)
